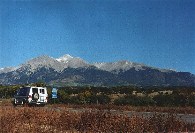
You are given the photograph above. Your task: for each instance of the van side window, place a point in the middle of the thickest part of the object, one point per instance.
(23, 91)
(42, 91)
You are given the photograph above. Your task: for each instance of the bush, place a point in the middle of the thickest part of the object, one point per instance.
(134, 100)
(174, 100)
(100, 99)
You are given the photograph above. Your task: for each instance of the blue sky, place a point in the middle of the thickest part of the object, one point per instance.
(159, 33)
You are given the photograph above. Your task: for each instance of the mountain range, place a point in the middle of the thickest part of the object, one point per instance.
(68, 70)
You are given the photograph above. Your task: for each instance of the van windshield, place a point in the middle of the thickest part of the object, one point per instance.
(23, 91)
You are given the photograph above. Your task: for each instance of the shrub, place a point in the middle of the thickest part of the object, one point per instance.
(134, 100)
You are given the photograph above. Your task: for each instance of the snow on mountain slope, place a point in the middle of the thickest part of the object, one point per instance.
(119, 65)
(66, 58)
(123, 66)
(73, 62)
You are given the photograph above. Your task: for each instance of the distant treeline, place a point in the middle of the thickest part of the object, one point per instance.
(118, 95)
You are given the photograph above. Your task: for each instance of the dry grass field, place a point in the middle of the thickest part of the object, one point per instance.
(52, 120)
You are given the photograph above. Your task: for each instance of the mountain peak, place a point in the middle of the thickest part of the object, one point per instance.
(67, 55)
(65, 58)
(7, 69)
(117, 66)
(42, 61)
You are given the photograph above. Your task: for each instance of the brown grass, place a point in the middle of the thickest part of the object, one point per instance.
(56, 120)
(181, 110)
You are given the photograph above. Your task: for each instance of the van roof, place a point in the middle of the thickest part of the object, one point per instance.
(35, 87)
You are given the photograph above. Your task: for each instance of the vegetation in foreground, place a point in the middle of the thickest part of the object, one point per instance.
(25, 119)
(98, 117)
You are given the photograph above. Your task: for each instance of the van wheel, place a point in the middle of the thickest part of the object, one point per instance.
(24, 103)
(14, 103)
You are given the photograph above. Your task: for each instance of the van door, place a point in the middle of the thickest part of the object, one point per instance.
(35, 94)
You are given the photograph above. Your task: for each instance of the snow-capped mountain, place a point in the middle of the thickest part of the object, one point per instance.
(68, 69)
(47, 62)
(59, 64)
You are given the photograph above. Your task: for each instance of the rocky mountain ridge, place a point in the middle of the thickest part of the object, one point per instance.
(74, 70)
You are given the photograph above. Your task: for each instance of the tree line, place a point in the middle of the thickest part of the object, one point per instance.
(118, 95)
